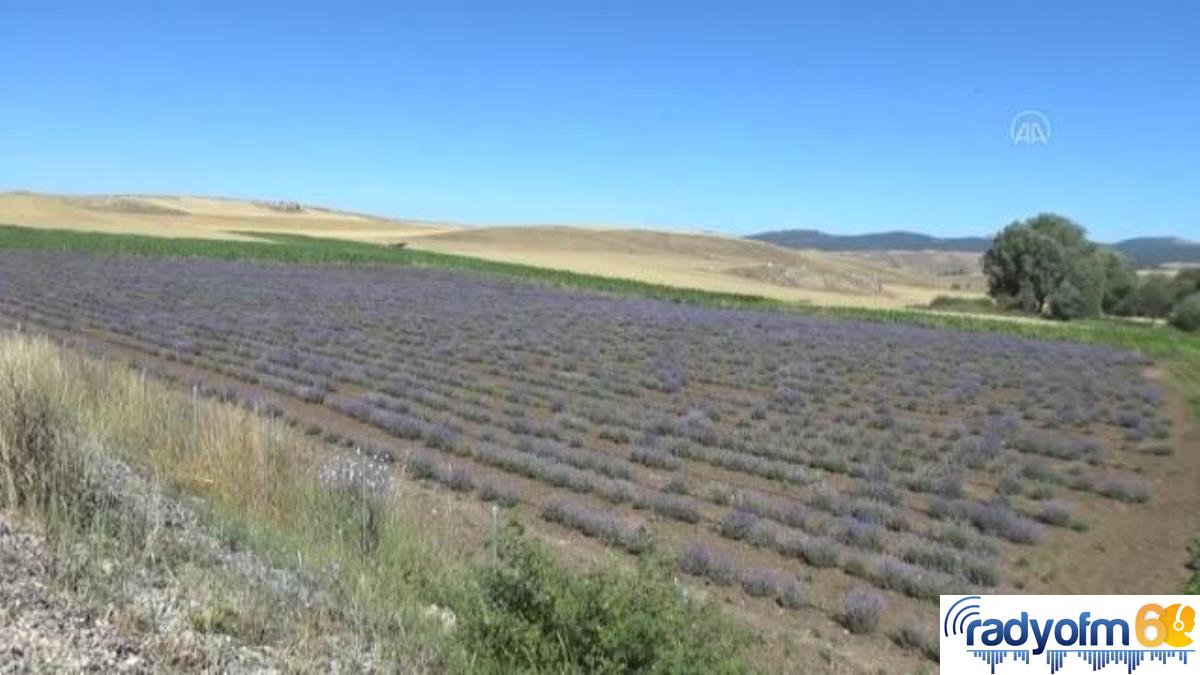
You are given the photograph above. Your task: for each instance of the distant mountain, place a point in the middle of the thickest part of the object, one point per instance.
(882, 241)
(1155, 251)
(1142, 251)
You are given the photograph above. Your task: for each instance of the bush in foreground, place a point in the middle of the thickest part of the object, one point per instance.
(1186, 315)
(534, 612)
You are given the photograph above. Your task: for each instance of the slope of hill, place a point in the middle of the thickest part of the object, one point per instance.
(1158, 251)
(882, 241)
(1145, 252)
(703, 261)
(205, 217)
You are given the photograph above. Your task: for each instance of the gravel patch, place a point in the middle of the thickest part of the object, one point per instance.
(66, 608)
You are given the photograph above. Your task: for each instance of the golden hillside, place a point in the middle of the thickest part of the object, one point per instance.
(705, 261)
(205, 217)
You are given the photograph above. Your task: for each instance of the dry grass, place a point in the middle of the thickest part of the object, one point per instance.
(260, 486)
(117, 546)
(235, 458)
(200, 217)
(390, 571)
(704, 261)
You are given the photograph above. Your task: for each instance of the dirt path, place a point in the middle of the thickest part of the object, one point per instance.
(1131, 548)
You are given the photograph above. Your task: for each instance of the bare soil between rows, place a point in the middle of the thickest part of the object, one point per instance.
(1139, 548)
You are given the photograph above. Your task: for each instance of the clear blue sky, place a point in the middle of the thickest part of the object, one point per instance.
(735, 116)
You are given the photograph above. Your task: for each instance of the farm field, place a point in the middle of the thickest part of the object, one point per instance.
(719, 263)
(790, 463)
(690, 260)
(201, 217)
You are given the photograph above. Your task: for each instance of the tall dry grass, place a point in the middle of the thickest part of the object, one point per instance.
(263, 486)
(63, 417)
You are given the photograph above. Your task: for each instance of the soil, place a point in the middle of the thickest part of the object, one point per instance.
(68, 607)
(1129, 548)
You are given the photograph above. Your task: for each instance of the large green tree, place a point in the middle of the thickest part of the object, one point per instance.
(1046, 265)
(1031, 258)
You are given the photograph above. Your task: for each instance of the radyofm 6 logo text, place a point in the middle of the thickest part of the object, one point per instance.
(1068, 633)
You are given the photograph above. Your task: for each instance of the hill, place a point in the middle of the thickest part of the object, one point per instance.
(883, 241)
(204, 217)
(703, 261)
(1145, 252)
(1159, 251)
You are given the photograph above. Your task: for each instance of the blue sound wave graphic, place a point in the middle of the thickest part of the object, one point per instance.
(1099, 658)
(993, 657)
(1096, 658)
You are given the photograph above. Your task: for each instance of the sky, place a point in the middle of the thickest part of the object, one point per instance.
(734, 116)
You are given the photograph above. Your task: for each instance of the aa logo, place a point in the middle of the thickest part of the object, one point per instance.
(1157, 625)
(1030, 127)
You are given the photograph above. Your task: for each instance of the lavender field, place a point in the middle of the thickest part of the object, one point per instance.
(808, 463)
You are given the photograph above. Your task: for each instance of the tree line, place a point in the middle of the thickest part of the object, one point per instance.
(1046, 265)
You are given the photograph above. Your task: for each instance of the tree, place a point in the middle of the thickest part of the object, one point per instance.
(1083, 287)
(1030, 259)
(1156, 296)
(1120, 283)
(1186, 315)
(1187, 281)
(1067, 302)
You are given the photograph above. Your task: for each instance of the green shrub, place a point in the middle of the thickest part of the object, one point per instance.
(1192, 587)
(1186, 315)
(535, 612)
(1187, 281)
(1120, 283)
(1067, 303)
(217, 618)
(1155, 296)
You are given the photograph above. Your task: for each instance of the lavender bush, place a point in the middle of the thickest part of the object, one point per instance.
(862, 609)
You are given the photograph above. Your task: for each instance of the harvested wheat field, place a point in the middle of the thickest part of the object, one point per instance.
(198, 217)
(824, 480)
(705, 261)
